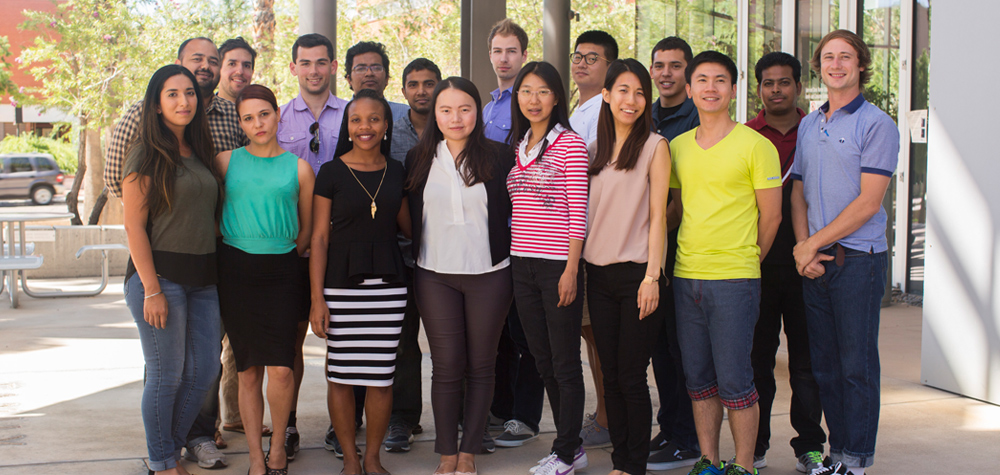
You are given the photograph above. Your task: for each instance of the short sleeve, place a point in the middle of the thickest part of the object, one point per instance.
(133, 161)
(765, 166)
(795, 172)
(880, 147)
(325, 180)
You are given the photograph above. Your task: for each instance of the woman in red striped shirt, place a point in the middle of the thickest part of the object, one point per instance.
(548, 193)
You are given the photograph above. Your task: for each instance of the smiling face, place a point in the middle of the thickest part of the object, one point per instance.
(201, 57)
(313, 67)
(627, 98)
(178, 102)
(366, 124)
(778, 90)
(839, 66)
(590, 76)
(417, 89)
(237, 71)
(535, 99)
(259, 120)
(711, 88)
(507, 57)
(455, 113)
(362, 75)
(668, 75)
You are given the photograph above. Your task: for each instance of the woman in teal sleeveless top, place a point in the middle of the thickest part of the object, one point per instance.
(263, 294)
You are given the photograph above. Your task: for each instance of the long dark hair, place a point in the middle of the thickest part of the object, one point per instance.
(161, 155)
(344, 143)
(629, 154)
(478, 157)
(519, 124)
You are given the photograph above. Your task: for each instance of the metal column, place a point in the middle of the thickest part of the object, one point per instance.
(478, 17)
(320, 16)
(555, 37)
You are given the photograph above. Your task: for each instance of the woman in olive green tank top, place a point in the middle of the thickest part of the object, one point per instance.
(263, 290)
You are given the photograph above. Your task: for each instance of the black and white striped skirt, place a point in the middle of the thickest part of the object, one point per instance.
(365, 323)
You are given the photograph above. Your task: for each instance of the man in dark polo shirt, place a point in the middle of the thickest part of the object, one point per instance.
(778, 87)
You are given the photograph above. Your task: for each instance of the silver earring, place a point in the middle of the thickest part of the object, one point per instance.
(349, 139)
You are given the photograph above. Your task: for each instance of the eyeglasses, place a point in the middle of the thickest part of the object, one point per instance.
(363, 68)
(541, 93)
(314, 143)
(590, 58)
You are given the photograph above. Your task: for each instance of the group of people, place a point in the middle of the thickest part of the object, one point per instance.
(659, 231)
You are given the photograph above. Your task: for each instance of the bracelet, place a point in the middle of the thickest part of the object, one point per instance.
(649, 279)
(152, 295)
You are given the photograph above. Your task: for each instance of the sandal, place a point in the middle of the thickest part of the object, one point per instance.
(275, 471)
(239, 428)
(219, 441)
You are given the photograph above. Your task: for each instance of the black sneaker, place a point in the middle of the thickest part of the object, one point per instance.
(291, 442)
(830, 468)
(489, 446)
(658, 443)
(331, 443)
(670, 457)
(398, 438)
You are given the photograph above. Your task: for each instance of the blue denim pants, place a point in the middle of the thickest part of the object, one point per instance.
(715, 326)
(842, 315)
(182, 361)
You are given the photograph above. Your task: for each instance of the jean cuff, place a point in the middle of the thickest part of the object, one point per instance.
(162, 466)
(743, 401)
(851, 459)
(706, 392)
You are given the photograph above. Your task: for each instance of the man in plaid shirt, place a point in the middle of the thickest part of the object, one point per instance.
(201, 57)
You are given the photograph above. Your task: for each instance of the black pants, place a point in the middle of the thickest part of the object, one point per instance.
(407, 400)
(781, 301)
(624, 343)
(462, 316)
(675, 418)
(519, 392)
(553, 335)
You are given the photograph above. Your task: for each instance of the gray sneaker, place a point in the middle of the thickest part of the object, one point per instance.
(207, 455)
(515, 434)
(594, 435)
(809, 461)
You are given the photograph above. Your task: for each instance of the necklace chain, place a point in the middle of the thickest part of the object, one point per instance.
(374, 208)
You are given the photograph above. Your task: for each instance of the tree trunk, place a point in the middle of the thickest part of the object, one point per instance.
(95, 213)
(81, 172)
(263, 36)
(94, 181)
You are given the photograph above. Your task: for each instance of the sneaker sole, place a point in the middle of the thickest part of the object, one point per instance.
(513, 443)
(218, 463)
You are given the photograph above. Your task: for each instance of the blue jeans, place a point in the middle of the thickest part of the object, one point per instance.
(842, 315)
(182, 361)
(715, 326)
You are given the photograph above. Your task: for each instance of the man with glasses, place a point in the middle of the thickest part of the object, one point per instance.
(309, 128)
(593, 53)
(368, 68)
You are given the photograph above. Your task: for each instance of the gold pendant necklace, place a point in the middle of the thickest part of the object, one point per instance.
(374, 208)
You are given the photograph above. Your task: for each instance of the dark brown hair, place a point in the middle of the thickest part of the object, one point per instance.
(506, 27)
(256, 91)
(477, 161)
(629, 154)
(161, 156)
(864, 55)
(519, 124)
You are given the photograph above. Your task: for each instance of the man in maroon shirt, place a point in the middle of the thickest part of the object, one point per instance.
(778, 87)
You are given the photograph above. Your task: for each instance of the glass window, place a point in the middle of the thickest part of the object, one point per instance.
(918, 151)
(881, 33)
(18, 165)
(816, 19)
(765, 37)
(44, 164)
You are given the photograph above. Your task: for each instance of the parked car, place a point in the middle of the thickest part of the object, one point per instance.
(30, 175)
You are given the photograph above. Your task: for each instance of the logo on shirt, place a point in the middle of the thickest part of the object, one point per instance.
(773, 178)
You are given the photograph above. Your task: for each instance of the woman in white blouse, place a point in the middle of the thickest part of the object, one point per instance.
(460, 211)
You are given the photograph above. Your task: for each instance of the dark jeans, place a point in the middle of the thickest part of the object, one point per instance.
(407, 401)
(781, 304)
(462, 316)
(842, 313)
(519, 392)
(624, 343)
(553, 334)
(675, 418)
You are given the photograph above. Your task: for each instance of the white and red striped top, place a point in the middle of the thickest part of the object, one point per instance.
(549, 196)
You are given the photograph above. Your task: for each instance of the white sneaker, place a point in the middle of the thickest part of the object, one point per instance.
(207, 455)
(580, 461)
(555, 466)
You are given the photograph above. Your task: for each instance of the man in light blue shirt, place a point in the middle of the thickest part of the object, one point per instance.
(845, 155)
(367, 67)
(593, 53)
(508, 45)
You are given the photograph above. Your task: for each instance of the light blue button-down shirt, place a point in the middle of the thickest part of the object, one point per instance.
(831, 155)
(293, 129)
(496, 115)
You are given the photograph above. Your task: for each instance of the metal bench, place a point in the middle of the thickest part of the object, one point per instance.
(29, 249)
(104, 248)
(11, 266)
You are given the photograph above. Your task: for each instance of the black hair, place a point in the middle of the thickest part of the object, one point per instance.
(312, 40)
(238, 43)
(344, 143)
(180, 50)
(632, 146)
(778, 58)
(672, 43)
(477, 161)
(421, 64)
(713, 57)
(602, 39)
(519, 124)
(363, 47)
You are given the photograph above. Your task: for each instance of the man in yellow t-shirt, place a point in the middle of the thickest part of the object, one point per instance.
(727, 179)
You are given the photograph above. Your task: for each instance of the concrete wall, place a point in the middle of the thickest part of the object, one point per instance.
(960, 349)
(60, 254)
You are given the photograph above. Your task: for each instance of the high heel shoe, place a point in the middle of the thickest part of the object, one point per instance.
(275, 471)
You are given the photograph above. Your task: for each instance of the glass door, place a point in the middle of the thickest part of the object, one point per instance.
(919, 98)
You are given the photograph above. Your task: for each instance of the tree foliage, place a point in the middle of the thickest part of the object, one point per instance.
(7, 86)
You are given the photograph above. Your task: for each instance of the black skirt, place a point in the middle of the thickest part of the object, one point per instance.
(262, 297)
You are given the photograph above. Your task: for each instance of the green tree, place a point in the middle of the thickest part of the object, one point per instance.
(6, 84)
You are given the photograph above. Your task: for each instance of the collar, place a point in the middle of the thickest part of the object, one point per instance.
(592, 102)
(299, 104)
(217, 103)
(850, 108)
(527, 156)
(497, 94)
(760, 123)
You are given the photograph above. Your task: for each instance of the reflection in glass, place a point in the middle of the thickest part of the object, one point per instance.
(918, 151)
(765, 37)
(816, 19)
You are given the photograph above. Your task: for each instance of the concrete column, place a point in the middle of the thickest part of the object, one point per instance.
(555, 37)
(478, 18)
(320, 16)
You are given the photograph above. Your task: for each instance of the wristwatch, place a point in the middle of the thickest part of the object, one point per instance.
(649, 279)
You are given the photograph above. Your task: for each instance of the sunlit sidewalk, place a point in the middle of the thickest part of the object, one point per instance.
(71, 381)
